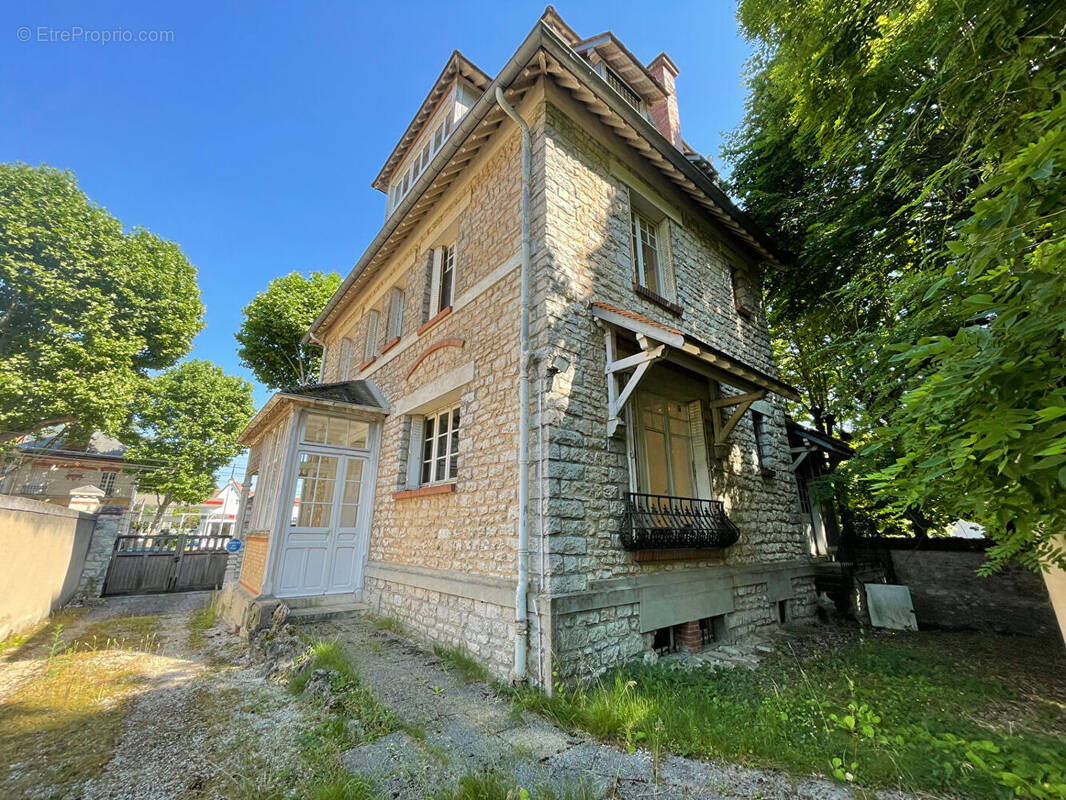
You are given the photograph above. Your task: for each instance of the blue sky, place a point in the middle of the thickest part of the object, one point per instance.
(251, 138)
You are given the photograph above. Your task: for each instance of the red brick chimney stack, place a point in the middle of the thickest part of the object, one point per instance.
(664, 113)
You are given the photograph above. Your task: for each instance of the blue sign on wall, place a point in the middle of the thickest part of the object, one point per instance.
(233, 545)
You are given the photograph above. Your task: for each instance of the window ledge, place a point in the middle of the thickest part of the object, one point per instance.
(391, 343)
(367, 363)
(678, 555)
(425, 491)
(745, 312)
(435, 319)
(658, 299)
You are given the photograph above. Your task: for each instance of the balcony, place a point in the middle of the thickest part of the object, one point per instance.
(661, 522)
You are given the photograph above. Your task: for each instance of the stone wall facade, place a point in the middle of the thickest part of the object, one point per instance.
(442, 558)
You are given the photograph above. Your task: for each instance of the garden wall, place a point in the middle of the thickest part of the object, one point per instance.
(947, 592)
(43, 549)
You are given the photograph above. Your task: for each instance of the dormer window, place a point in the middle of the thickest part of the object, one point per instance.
(625, 91)
(436, 132)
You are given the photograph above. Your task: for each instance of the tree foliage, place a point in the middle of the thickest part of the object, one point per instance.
(188, 418)
(911, 156)
(86, 308)
(275, 323)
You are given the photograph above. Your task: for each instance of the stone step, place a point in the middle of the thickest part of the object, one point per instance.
(318, 600)
(326, 613)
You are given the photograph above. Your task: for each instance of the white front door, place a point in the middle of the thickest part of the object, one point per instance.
(326, 532)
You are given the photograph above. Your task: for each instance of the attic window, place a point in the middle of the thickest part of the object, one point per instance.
(460, 100)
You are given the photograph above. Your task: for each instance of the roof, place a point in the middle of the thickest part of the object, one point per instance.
(458, 65)
(822, 441)
(100, 446)
(706, 356)
(545, 52)
(628, 66)
(356, 393)
(358, 396)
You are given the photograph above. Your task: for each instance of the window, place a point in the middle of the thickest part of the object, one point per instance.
(107, 483)
(440, 281)
(760, 425)
(438, 130)
(804, 494)
(370, 347)
(395, 324)
(440, 447)
(335, 431)
(346, 359)
(666, 446)
(646, 254)
(744, 296)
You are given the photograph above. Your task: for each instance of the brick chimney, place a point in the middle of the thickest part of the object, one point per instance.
(664, 113)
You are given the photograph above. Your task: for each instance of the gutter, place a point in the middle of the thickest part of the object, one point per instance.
(521, 637)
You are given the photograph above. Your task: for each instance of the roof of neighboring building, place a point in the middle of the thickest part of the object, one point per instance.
(99, 446)
(823, 441)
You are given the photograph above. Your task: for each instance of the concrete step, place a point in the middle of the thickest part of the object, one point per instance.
(326, 613)
(318, 600)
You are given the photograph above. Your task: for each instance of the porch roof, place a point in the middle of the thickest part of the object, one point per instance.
(740, 374)
(350, 396)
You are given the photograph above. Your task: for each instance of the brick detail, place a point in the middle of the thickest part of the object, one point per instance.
(367, 363)
(434, 319)
(391, 343)
(424, 491)
(254, 565)
(460, 343)
(687, 636)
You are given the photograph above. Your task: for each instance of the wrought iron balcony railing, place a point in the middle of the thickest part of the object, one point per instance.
(661, 522)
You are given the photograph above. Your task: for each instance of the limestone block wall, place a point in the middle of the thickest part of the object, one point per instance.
(588, 176)
(470, 527)
(105, 530)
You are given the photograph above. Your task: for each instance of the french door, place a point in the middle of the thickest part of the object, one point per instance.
(326, 531)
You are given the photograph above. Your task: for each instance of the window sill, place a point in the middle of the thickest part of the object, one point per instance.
(657, 299)
(746, 312)
(425, 491)
(367, 363)
(678, 555)
(391, 343)
(435, 319)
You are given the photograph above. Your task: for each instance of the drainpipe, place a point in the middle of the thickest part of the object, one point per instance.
(520, 608)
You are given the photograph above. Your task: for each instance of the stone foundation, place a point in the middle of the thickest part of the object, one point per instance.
(245, 611)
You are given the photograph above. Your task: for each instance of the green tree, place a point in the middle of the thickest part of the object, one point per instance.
(911, 155)
(275, 323)
(86, 308)
(188, 418)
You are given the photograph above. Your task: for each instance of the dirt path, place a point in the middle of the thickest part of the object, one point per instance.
(465, 728)
(122, 701)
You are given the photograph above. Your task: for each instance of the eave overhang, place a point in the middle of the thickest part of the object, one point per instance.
(627, 65)
(284, 401)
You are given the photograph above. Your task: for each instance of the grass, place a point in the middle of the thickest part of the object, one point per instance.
(119, 633)
(23, 643)
(391, 624)
(980, 716)
(496, 786)
(458, 659)
(61, 726)
(202, 620)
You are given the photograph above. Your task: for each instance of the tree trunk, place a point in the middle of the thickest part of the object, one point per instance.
(159, 513)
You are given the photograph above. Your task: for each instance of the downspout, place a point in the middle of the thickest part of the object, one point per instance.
(522, 587)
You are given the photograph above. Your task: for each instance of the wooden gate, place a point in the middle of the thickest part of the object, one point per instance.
(166, 563)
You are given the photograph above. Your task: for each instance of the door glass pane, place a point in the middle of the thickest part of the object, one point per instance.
(316, 479)
(353, 483)
(655, 467)
(681, 461)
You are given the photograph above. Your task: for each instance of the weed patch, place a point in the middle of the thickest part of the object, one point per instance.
(496, 786)
(390, 624)
(886, 712)
(119, 633)
(458, 659)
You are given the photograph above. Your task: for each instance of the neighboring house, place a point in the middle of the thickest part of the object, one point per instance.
(219, 512)
(814, 455)
(49, 469)
(660, 510)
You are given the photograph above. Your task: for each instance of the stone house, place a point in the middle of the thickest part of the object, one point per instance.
(614, 482)
(52, 470)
